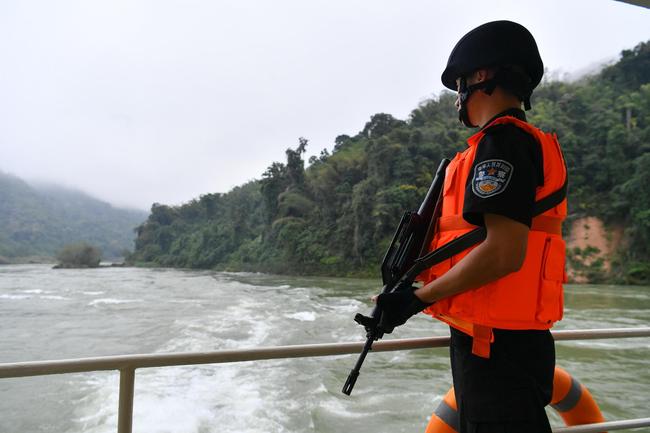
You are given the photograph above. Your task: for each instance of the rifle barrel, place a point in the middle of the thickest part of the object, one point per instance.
(354, 373)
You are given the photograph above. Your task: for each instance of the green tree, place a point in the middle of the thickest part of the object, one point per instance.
(80, 255)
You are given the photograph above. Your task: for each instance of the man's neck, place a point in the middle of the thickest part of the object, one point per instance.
(516, 112)
(493, 110)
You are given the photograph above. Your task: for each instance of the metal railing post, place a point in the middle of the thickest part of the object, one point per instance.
(125, 410)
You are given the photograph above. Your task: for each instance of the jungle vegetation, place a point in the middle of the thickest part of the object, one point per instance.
(79, 255)
(37, 221)
(336, 215)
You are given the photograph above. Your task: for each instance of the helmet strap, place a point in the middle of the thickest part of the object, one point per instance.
(487, 86)
(465, 91)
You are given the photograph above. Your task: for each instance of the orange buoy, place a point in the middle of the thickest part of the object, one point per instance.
(573, 401)
(570, 399)
(445, 418)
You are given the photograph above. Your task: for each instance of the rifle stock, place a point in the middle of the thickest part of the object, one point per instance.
(410, 241)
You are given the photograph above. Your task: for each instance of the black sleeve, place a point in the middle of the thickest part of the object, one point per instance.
(506, 172)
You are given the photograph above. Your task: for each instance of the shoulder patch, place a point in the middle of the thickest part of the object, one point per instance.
(491, 177)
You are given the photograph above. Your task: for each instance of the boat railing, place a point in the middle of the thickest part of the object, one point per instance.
(127, 365)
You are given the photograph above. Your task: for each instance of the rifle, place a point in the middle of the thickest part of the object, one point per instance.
(410, 241)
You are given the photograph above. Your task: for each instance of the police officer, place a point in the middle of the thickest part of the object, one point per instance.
(502, 296)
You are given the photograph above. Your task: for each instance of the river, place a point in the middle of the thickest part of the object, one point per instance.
(57, 314)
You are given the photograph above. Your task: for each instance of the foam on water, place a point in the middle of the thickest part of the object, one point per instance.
(54, 298)
(303, 316)
(35, 291)
(339, 408)
(112, 301)
(214, 398)
(14, 297)
(184, 311)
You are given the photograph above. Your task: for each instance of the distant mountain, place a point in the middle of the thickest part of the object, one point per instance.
(40, 220)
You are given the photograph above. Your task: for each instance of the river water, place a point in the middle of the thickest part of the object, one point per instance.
(48, 314)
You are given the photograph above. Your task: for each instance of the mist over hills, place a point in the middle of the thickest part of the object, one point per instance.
(38, 220)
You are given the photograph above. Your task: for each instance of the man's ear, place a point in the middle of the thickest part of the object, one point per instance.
(481, 75)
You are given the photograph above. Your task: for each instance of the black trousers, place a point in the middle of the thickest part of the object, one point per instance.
(506, 393)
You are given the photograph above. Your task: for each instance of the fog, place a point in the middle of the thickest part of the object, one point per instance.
(136, 101)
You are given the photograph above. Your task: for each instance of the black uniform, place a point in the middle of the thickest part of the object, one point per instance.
(516, 147)
(508, 391)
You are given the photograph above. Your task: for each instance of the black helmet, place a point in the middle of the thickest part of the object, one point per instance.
(494, 44)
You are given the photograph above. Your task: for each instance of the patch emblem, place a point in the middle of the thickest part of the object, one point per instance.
(491, 177)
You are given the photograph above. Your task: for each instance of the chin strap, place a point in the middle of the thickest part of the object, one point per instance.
(465, 91)
(504, 78)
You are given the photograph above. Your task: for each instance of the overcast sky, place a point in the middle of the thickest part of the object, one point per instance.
(138, 101)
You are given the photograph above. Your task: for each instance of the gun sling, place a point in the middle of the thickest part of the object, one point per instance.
(479, 234)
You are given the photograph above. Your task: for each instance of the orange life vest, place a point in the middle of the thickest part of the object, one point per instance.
(531, 298)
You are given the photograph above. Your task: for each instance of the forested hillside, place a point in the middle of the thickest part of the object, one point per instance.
(37, 222)
(337, 215)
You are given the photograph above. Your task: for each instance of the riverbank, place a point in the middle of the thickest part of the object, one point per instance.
(578, 273)
(112, 265)
(45, 260)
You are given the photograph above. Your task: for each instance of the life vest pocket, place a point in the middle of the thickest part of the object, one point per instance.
(550, 296)
(554, 257)
(511, 300)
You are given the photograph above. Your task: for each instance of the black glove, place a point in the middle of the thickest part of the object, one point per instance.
(397, 307)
